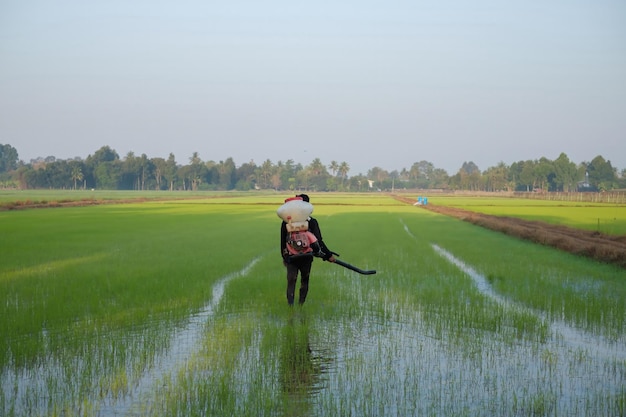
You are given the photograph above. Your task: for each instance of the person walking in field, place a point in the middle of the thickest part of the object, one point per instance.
(300, 240)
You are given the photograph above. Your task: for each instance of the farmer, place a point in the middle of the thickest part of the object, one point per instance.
(300, 260)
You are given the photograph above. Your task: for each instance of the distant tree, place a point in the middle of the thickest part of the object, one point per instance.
(439, 178)
(21, 176)
(160, 167)
(244, 177)
(288, 172)
(470, 168)
(357, 183)
(108, 174)
(77, 173)
(394, 177)
(527, 175)
(197, 171)
(343, 170)
(379, 176)
(496, 178)
(602, 175)
(332, 183)
(264, 173)
(130, 172)
(170, 171)
(105, 170)
(565, 173)
(8, 158)
(317, 175)
(334, 167)
(136, 171)
(35, 178)
(102, 155)
(275, 179)
(421, 173)
(227, 174)
(316, 167)
(544, 174)
(184, 174)
(469, 177)
(145, 171)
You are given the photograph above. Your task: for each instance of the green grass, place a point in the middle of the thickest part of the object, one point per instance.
(90, 297)
(113, 264)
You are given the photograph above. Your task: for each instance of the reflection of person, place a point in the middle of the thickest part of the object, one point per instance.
(300, 369)
(301, 263)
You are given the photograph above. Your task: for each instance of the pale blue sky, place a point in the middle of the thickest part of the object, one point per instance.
(372, 83)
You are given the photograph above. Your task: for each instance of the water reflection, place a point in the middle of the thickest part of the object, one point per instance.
(115, 373)
(301, 367)
(575, 338)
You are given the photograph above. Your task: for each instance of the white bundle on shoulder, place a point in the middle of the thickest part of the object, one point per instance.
(295, 212)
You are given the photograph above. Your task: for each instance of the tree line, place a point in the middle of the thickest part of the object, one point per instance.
(104, 169)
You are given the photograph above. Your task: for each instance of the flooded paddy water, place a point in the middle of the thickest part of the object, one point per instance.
(389, 362)
(441, 341)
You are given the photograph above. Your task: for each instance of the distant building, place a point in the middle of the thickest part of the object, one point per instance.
(584, 186)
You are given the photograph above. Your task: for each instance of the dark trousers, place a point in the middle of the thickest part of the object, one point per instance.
(303, 266)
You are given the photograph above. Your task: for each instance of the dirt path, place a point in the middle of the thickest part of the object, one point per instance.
(595, 245)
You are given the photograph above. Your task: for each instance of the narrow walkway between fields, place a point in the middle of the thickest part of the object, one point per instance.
(184, 345)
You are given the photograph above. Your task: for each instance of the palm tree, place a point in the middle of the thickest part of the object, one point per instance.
(77, 174)
(334, 167)
(317, 167)
(343, 169)
(170, 170)
(195, 159)
(266, 170)
(196, 171)
(160, 166)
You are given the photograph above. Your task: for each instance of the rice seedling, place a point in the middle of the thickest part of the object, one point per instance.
(178, 308)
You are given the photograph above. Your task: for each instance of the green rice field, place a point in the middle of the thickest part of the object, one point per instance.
(178, 308)
(609, 218)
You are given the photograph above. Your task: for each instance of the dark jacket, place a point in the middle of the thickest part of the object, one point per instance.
(314, 228)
